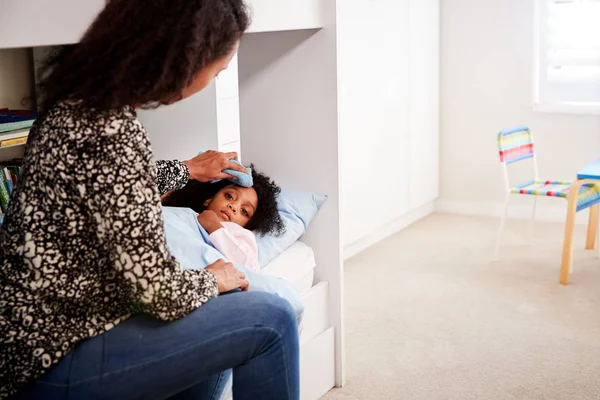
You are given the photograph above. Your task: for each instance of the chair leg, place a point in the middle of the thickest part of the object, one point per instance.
(502, 223)
(567, 256)
(532, 220)
(592, 228)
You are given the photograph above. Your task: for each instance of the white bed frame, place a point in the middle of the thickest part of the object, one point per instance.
(288, 106)
(288, 120)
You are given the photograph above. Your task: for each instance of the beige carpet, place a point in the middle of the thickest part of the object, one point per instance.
(429, 316)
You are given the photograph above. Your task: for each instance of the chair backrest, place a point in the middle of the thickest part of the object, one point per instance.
(515, 144)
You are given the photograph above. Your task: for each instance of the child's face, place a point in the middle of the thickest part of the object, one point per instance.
(234, 204)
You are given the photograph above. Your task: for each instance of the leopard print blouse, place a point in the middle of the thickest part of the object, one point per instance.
(82, 246)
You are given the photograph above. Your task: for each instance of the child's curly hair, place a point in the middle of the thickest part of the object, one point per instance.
(266, 219)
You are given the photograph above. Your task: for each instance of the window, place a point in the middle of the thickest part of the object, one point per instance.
(568, 56)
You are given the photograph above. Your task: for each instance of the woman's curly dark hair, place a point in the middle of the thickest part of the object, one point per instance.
(142, 52)
(266, 219)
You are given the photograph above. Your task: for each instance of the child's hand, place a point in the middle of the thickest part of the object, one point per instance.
(209, 221)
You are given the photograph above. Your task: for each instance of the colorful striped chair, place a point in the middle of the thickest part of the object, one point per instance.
(516, 144)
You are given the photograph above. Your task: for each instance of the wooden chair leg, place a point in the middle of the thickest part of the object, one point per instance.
(567, 256)
(592, 228)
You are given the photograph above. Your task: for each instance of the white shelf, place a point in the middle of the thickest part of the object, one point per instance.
(56, 22)
(11, 146)
(13, 134)
(12, 152)
(286, 15)
(65, 21)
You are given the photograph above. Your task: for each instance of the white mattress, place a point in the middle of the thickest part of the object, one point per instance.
(296, 264)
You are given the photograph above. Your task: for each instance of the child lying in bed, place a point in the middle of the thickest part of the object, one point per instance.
(231, 213)
(190, 244)
(206, 222)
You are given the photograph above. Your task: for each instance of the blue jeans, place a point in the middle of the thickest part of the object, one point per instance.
(255, 334)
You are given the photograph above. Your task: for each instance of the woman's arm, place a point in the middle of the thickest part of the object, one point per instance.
(122, 197)
(205, 167)
(171, 175)
(129, 222)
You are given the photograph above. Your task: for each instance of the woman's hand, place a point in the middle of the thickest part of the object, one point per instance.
(228, 278)
(209, 221)
(209, 166)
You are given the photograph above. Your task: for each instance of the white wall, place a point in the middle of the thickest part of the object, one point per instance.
(487, 81)
(16, 79)
(16, 88)
(191, 124)
(388, 63)
(373, 110)
(424, 102)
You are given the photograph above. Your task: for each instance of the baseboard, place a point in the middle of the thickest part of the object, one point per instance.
(516, 211)
(388, 230)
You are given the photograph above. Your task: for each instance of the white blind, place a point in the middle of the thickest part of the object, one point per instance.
(569, 51)
(573, 40)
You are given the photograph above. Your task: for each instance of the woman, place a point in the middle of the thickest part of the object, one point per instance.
(92, 306)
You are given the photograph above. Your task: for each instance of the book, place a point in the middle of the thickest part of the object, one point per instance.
(14, 134)
(13, 142)
(11, 120)
(8, 179)
(14, 174)
(8, 115)
(4, 195)
(14, 167)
